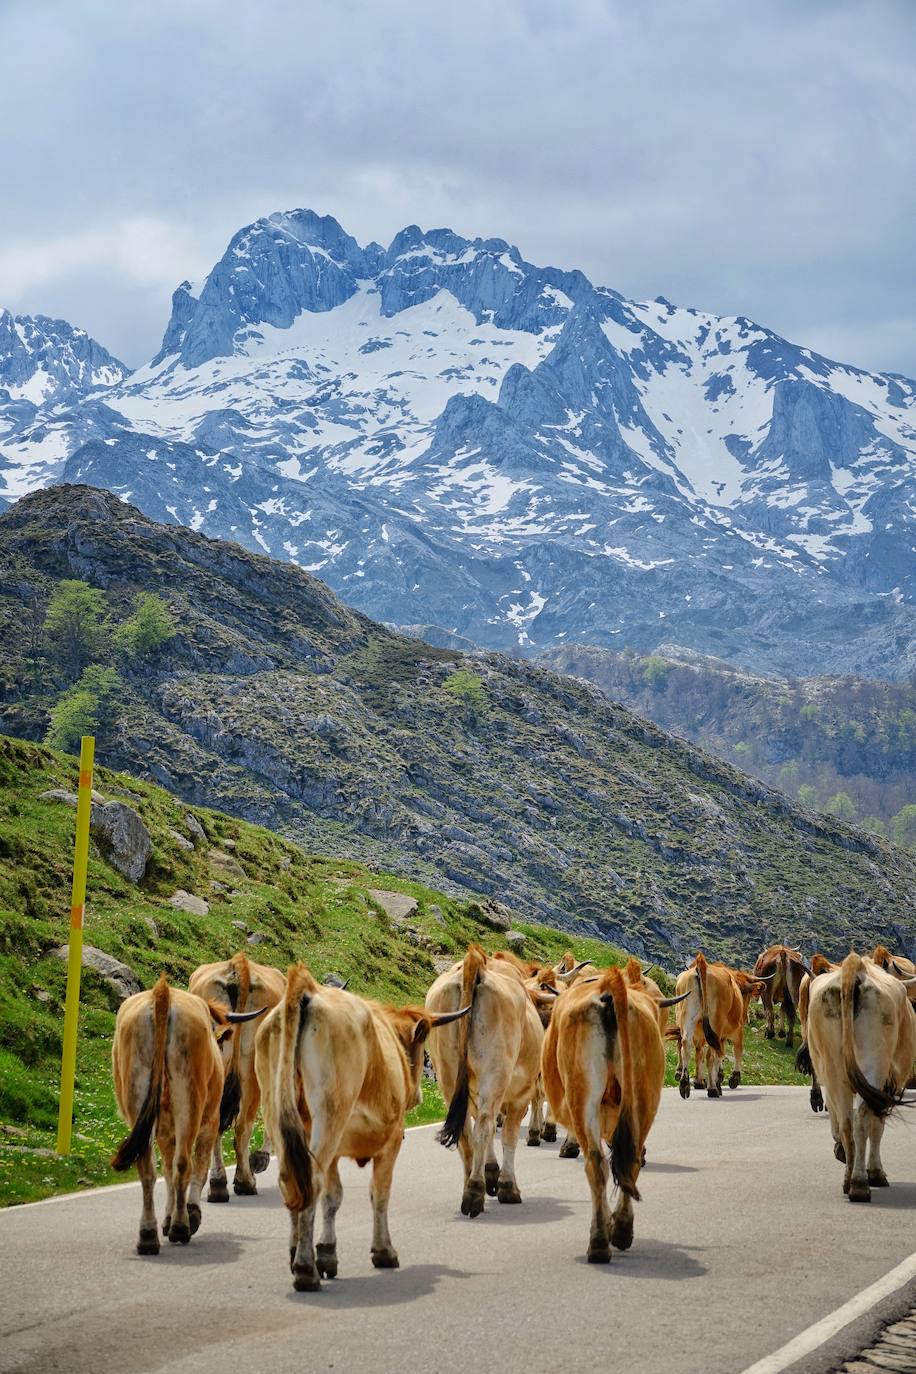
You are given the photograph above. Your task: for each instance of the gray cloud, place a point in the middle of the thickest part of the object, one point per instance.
(754, 159)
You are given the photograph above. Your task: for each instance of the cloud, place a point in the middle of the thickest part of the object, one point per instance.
(756, 159)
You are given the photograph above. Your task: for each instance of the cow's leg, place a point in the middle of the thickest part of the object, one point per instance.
(738, 1052)
(165, 1139)
(549, 1130)
(243, 1183)
(187, 1114)
(219, 1184)
(491, 1168)
(596, 1171)
(383, 1253)
(570, 1147)
(766, 998)
(816, 1097)
(326, 1249)
(148, 1244)
(305, 1272)
(482, 1150)
(789, 1018)
(841, 1129)
(507, 1187)
(536, 1119)
(859, 1190)
(876, 1175)
(203, 1149)
(260, 1159)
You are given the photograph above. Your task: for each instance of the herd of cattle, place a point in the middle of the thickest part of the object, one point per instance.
(572, 1045)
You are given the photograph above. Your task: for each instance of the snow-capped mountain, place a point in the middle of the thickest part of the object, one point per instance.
(452, 436)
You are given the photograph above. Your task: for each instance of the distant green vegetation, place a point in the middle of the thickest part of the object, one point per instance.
(319, 910)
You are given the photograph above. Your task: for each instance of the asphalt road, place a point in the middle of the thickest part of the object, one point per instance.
(743, 1240)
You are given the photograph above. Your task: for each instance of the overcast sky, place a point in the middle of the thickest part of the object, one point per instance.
(753, 158)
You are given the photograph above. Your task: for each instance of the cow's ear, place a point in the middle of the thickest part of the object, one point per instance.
(222, 1033)
(421, 1030)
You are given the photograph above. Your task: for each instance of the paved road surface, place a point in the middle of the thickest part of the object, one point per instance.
(743, 1239)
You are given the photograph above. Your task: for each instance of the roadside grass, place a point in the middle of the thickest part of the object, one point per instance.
(255, 882)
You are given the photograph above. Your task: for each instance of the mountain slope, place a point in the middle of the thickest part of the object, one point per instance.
(477, 773)
(842, 743)
(456, 437)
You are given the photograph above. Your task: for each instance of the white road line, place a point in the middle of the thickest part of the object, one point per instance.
(15, 1207)
(828, 1326)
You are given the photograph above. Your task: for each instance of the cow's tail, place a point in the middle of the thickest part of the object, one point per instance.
(135, 1145)
(881, 1101)
(633, 972)
(296, 1163)
(625, 1157)
(712, 1039)
(238, 985)
(475, 961)
(788, 1003)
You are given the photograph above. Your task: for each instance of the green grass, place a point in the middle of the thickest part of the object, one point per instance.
(316, 909)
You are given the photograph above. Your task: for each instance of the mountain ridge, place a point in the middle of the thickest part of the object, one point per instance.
(452, 435)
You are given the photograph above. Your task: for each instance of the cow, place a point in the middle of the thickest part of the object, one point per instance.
(638, 977)
(714, 1010)
(789, 969)
(604, 1066)
(487, 1064)
(862, 1042)
(168, 1078)
(337, 1074)
(239, 985)
(819, 965)
(898, 965)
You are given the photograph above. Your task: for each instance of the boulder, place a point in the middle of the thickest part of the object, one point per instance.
(195, 829)
(186, 901)
(515, 939)
(436, 913)
(58, 794)
(491, 912)
(119, 977)
(257, 937)
(181, 840)
(239, 925)
(226, 863)
(396, 904)
(122, 838)
(333, 980)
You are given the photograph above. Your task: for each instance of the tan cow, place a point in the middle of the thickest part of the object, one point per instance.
(337, 1073)
(788, 968)
(168, 1078)
(485, 1065)
(819, 965)
(715, 1010)
(898, 965)
(638, 977)
(238, 985)
(862, 1042)
(604, 1066)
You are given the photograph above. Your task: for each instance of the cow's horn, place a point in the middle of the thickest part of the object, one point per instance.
(901, 973)
(237, 1016)
(763, 977)
(548, 987)
(575, 969)
(343, 985)
(672, 1001)
(442, 1018)
(909, 982)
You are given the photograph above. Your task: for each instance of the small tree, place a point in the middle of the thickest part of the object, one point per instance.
(73, 628)
(842, 805)
(903, 826)
(468, 689)
(655, 672)
(89, 707)
(807, 796)
(150, 626)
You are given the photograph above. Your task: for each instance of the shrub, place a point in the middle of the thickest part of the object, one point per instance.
(468, 689)
(73, 627)
(655, 672)
(151, 625)
(89, 707)
(903, 826)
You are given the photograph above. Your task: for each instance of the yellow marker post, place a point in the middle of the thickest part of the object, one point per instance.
(75, 956)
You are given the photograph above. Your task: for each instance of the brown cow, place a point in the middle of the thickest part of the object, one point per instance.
(168, 1077)
(715, 1010)
(862, 1042)
(604, 1066)
(239, 985)
(487, 1064)
(788, 968)
(819, 965)
(337, 1074)
(898, 965)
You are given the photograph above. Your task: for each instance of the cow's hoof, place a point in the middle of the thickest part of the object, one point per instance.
(472, 1201)
(508, 1192)
(218, 1190)
(622, 1234)
(838, 1152)
(148, 1244)
(491, 1177)
(599, 1252)
(242, 1188)
(684, 1087)
(713, 1092)
(194, 1217)
(569, 1150)
(859, 1192)
(878, 1178)
(166, 1225)
(306, 1281)
(642, 1160)
(385, 1259)
(258, 1161)
(534, 1140)
(549, 1134)
(699, 1082)
(179, 1235)
(326, 1261)
(735, 1079)
(817, 1100)
(790, 1041)
(769, 1034)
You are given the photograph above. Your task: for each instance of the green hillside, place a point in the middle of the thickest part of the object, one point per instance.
(299, 906)
(267, 698)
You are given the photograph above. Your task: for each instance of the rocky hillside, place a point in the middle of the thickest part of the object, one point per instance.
(843, 744)
(456, 437)
(480, 774)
